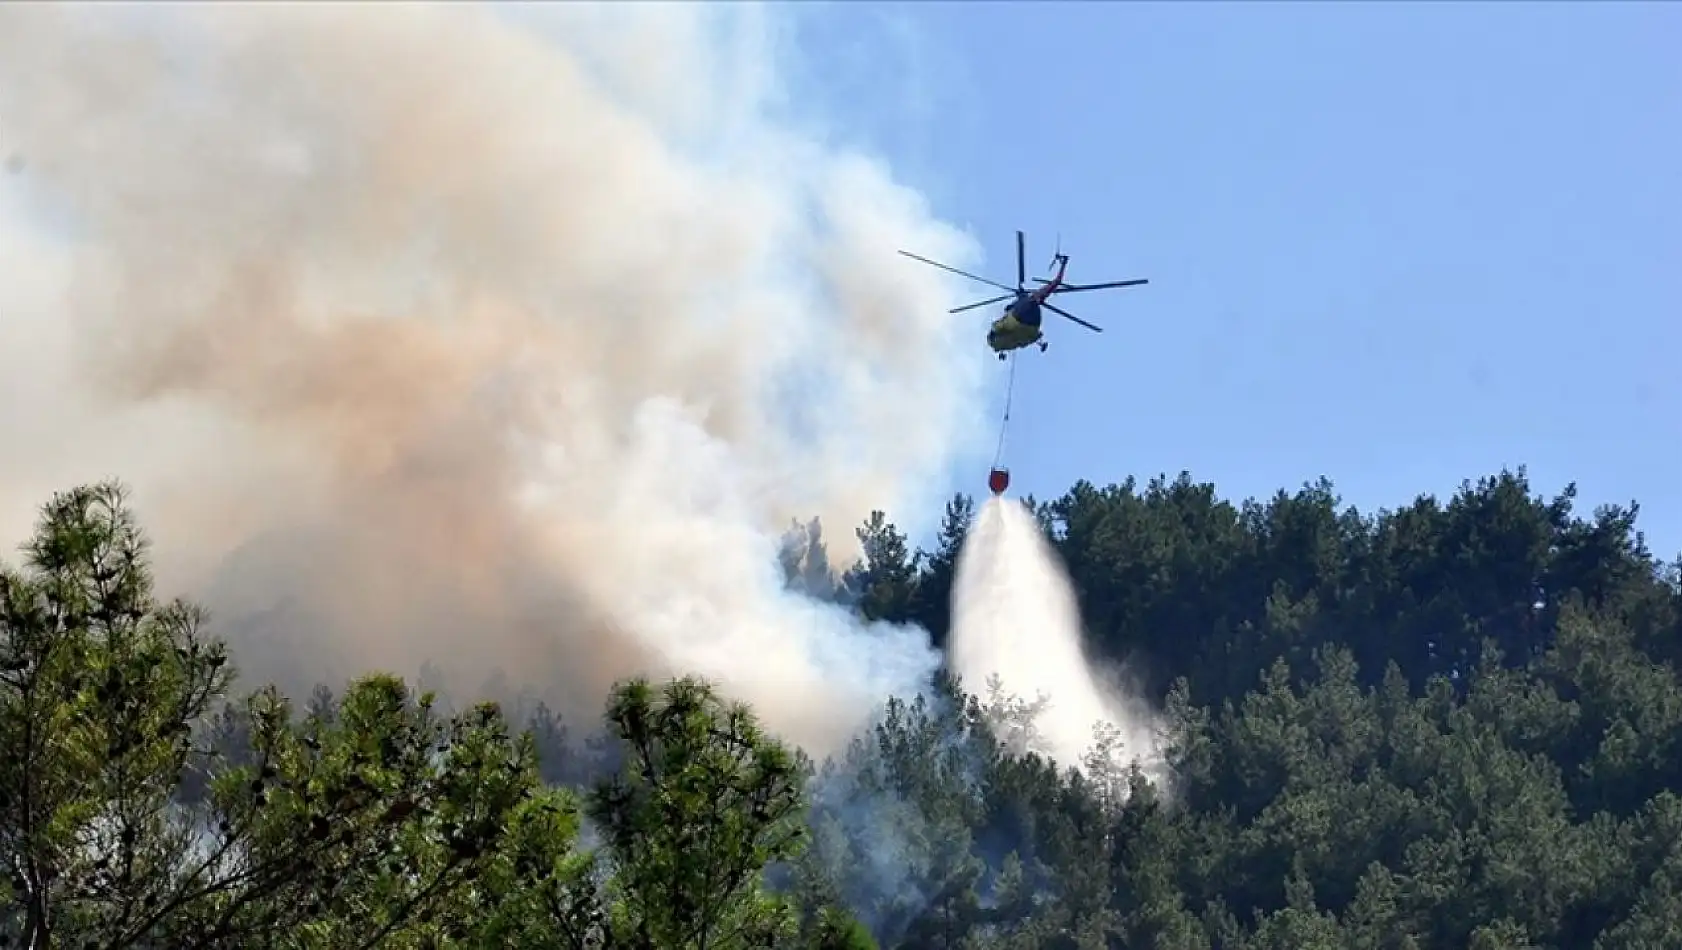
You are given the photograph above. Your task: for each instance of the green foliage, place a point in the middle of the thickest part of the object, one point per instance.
(1454, 725)
(365, 827)
(886, 579)
(140, 807)
(835, 929)
(705, 802)
(100, 688)
(1451, 725)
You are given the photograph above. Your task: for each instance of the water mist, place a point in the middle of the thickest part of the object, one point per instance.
(1014, 617)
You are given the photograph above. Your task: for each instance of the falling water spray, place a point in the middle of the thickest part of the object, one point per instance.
(1014, 618)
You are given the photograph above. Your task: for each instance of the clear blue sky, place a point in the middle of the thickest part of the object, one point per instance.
(1400, 245)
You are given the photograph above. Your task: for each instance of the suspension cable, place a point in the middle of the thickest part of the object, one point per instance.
(1004, 427)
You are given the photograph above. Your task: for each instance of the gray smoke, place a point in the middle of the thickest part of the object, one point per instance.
(504, 340)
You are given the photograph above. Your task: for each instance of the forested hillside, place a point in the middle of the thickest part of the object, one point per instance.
(1453, 725)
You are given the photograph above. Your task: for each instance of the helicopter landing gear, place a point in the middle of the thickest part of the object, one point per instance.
(1001, 356)
(1043, 345)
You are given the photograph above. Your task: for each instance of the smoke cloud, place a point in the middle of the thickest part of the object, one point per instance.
(1015, 622)
(506, 340)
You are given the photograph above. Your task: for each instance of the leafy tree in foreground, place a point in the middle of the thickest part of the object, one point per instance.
(705, 802)
(100, 689)
(351, 828)
(383, 826)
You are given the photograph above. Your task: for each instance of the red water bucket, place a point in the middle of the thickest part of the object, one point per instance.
(998, 480)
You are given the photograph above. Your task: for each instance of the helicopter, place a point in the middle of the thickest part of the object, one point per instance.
(1020, 325)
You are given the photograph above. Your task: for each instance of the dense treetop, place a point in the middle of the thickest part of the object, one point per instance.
(1453, 725)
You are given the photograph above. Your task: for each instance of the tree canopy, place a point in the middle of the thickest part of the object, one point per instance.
(1453, 725)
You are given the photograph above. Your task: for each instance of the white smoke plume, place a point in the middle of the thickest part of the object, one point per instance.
(502, 339)
(1015, 622)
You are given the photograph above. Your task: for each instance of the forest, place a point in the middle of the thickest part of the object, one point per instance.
(1456, 724)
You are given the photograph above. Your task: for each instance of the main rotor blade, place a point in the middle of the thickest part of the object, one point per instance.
(958, 272)
(1021, 260)
(1076, 288)
(1064, 313)
(981, 303)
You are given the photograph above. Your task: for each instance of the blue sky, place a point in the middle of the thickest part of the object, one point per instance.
(1398, 245)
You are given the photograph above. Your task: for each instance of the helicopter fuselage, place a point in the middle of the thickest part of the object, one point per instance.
(1019, 327)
